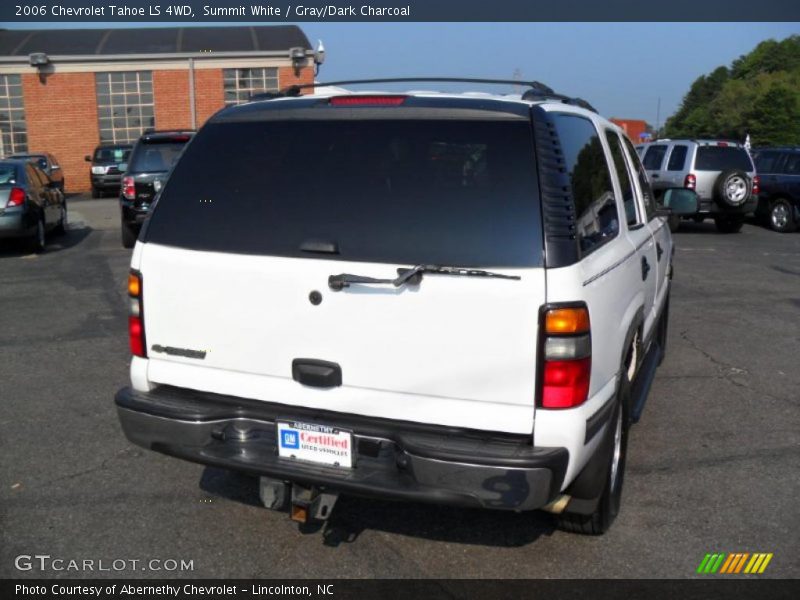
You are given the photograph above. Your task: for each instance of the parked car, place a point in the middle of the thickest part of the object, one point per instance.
(779, 198)
(721, 173)
(109, 162)
(148, 167)
(31, 205)
(47, 163)
(436, 297)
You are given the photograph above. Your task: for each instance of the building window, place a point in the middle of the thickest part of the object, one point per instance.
(240, 84)
(124, 105)
(13, 132)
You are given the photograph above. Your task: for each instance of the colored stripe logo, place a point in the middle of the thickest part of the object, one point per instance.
(734, 563)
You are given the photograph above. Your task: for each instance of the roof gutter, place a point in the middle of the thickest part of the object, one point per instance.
(83, 58)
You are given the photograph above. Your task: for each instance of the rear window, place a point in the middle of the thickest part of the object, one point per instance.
(452, 192)
(8, 174)
(111, 155)
(155, 156)
(38, 159)
(722, 158)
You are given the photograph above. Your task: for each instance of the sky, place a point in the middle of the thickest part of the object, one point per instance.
(623, 69)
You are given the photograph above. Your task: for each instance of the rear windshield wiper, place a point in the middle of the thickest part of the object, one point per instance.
(411, 276)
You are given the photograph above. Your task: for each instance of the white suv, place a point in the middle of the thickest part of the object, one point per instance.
(453, 298)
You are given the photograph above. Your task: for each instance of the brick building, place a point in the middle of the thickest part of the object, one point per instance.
(636, 129)
(65, 91)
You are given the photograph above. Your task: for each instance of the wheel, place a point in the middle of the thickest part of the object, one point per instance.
(61, 228)
(674, 222)
(96, 193)
(615, 449)
(729, 224)
(128, 236)
(731, 188)
(38, 240)
(781, 218)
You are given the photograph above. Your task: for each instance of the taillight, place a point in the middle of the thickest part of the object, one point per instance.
(367, 100)
(566, 357)
(16, 197)
(756, 185)
(128, 188)
(136, 316)
(690, 182)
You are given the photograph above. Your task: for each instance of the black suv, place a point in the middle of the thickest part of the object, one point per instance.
(149, 165)
(109, 162)
(779, 198)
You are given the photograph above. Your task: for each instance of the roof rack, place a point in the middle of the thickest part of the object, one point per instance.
(536, 90)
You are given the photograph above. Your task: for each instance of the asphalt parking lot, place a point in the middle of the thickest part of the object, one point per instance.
(713, 466)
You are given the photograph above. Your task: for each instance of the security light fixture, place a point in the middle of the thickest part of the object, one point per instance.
(39, 59)
(298, 56)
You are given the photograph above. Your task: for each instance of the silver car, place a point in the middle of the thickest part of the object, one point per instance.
(721, 173)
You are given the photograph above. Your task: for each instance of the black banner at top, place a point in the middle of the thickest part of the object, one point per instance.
(287, 11)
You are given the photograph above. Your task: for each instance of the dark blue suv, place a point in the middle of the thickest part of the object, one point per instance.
(779, 197)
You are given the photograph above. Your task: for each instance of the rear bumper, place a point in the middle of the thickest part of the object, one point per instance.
(15, 224)
(106, 182)
(711, 207)
(131, 215)
(397, 460)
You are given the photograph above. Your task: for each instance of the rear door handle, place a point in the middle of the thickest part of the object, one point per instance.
(645, 268)
(655, 175)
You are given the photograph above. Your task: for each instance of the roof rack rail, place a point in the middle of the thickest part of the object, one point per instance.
(536, 90)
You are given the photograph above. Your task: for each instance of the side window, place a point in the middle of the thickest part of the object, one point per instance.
(590, 179)
(625, 183)
(654, 157)
(766, 162)
(792, 164)
(647, 193)
(678, 158)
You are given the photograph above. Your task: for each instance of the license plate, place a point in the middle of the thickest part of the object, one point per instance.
(315, 443)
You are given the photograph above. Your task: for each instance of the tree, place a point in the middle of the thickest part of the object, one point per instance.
(759, 94)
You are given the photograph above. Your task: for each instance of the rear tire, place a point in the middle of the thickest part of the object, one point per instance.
(37, 241)
(128, 236)
(729, 224)
(608, 505)
(781, 216)
(61, 228)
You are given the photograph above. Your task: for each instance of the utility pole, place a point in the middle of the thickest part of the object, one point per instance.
(658, 118)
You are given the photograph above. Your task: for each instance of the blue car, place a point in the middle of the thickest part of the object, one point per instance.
(31, 204)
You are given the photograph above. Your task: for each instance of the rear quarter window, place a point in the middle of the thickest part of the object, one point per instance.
(449, 192)
(654, 157)
(677, 158)
(590, 179)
